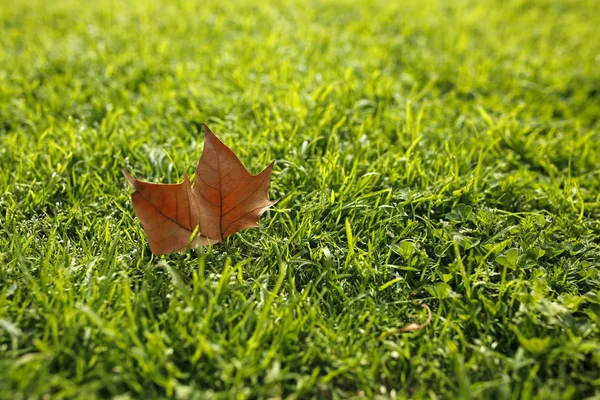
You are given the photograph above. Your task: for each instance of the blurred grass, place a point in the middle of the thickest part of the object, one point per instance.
(436, 152)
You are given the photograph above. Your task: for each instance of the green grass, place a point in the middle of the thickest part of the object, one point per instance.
(439, 153)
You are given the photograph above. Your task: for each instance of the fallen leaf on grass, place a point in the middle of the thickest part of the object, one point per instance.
(225, 199)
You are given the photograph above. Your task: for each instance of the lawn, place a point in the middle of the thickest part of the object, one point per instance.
(438, 153)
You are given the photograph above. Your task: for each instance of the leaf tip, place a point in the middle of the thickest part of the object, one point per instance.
(268, 170)
(129, 178)
(207, 130)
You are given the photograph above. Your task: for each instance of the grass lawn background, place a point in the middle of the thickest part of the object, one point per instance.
(445, 153)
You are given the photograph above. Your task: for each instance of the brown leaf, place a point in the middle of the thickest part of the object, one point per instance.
(225, 199)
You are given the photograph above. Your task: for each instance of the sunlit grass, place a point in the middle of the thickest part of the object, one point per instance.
(435, 152)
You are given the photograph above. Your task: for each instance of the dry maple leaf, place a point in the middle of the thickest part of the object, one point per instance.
(225, 199)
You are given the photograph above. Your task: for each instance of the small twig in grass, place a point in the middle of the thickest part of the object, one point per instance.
(415, 327)
(410, 327)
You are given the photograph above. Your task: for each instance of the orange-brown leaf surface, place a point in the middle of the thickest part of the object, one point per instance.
(225, 199)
